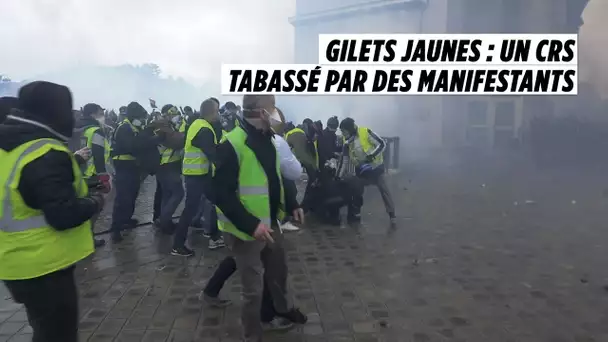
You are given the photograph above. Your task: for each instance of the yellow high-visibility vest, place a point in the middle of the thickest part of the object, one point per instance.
(90, 170)
(363, 140)
(169, 155)
(195, 161)
(253, 186)
(29, 246)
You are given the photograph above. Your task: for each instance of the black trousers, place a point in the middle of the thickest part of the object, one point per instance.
(158, 197)
(51, 303)
(126, 183)
(196, 187)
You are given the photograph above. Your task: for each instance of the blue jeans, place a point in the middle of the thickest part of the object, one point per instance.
(172, 193)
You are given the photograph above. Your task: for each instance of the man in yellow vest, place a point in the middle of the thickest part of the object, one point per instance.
(128, 151)
(92, 136)
(251, 202)
(198, 166)
(365, 149)
(172, 128)
(46, 210)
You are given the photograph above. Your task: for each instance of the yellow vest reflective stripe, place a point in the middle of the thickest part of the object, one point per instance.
(90, 170)
(253, 186)
(195, 161)
(362, 139)
(29, 247)
(295, 130)
(135, 130)
(169, 155)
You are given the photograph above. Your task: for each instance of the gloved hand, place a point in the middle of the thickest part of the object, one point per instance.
(369, 159)
(98, 199)
(106, 184)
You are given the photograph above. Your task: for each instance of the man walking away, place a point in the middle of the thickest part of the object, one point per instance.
(251, 202)
(45, 223)
(129, 144)
(198, 167)
(365, 149)
(92, 136)
(172, 131)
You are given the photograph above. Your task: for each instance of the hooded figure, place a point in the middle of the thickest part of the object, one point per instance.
(135, 154)
(37, 260)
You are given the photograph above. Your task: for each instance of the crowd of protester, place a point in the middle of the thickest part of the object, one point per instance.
(235, 168)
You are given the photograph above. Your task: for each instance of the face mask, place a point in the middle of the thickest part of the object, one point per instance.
(136, 123)
(176, 120)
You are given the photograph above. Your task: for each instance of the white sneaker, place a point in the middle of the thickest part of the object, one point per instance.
(289, 227)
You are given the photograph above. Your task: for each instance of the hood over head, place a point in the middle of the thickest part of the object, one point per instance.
(136, 111)
(46, 105)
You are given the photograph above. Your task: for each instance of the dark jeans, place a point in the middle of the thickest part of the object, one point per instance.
(51, 303)
(308, 200)
(196, 187)
(126, 183)
(158, 198)
(172, 192)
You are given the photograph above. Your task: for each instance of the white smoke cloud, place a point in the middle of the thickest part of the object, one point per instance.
(186, 38)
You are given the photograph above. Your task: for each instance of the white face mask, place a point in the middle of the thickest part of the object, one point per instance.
(275, 117)
(136, 123)
(176, 120)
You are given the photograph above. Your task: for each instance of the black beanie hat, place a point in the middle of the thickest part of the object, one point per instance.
(166, 108)
(135, 110)
(348, 124)
(333, 122)
(48, 103)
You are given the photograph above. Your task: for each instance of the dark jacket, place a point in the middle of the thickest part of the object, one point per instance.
(97, 150)
(226, 180)
(46, 183)
(142, 145)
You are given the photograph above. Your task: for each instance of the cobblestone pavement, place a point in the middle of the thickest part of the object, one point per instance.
(477, 256)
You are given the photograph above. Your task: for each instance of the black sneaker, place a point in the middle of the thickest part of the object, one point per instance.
(277, 324)
(295, 316)
(182, 251)
(99, 243)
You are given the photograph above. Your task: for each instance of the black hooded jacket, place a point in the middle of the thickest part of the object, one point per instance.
(142, 145)
(46, 183)
(97, 150)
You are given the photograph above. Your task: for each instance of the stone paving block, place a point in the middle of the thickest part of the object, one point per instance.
(11, 328)
(130, 336)
(156, 336)
(21, 338)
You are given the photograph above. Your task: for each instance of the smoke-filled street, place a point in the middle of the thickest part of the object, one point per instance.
(480, 253)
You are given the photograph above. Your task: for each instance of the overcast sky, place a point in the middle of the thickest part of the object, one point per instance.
(188, 38)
